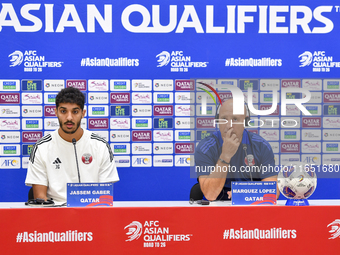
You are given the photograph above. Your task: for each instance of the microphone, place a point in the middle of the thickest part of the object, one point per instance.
(244, 146)
(75, 152)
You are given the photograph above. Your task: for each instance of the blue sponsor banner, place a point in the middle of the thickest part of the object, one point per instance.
(163, 123)
(120, 110)
(332, 84)
(312, 109)
(267, 97)
(330, 110)
(245, 84)
(31, 85)
(163, 97)
(332, 147)
(203, 134)
(9, 85)
(293, 95)
(89, 194)
(119, 84)
(253, 193)
(119, 148)
(289, 134)
(51, 98)
(26, 149)
(10, 150)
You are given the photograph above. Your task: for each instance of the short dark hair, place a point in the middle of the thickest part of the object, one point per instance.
(70, 95)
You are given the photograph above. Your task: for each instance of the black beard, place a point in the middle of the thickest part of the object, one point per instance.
(69, 132)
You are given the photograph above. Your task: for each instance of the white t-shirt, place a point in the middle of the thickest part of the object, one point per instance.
(53, 164)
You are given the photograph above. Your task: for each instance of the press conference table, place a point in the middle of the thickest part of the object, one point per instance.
(171, 227)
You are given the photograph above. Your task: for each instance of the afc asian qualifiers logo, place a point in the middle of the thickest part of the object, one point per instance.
(306, 58)
(163, 58)
(335, 229)
(87, 158)
(16, 58)
(135, 230)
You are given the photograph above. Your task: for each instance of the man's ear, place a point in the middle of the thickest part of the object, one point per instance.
(84, 111)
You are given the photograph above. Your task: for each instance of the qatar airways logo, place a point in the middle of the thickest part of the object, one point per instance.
(141, 136)
(9, 98)
(331, 97)
(117, 98)
(163, 110)
(79, 84)
(311, 122)
(205, 122)
(50, 111)
(31, 137)
(184, 148)
(225, 96)
(290, 147)
(184, 85)
(98, 123)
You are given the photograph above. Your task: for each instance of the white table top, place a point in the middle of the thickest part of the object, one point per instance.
(312, 202)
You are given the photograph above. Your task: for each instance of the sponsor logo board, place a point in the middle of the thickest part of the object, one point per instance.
(31, 136)
(163, 135)
(51, 123)
(141, 148)
(141, 110)
(141, 123)
(120, 123)
(122, 161)
(9, 85)
(10, 137)
(163, 85)
(120, 148)
(119, 85)
(142, 161)
(120, 136)
(54, 85)
(162, 161)
(98, 98)
(163, 148)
